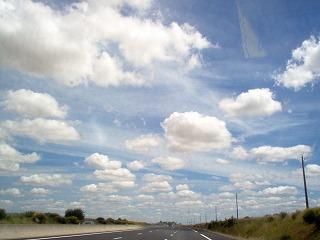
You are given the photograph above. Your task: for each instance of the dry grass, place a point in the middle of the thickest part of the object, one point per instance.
(279, 226)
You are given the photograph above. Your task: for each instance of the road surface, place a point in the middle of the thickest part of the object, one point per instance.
(151, 233)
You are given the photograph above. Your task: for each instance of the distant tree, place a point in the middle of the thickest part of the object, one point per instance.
(77, 212)
(72, 220)
(101, 220)
(39, 218)
(2, 213)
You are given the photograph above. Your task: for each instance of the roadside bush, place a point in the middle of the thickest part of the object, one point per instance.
(60, 219)
(295, 215)
(270, 219)
(29, 214)
(77, 212)
(72, 220)
(2, 214)
(285, 237)
(39, 218)
(283, 215)
(101, 220)
(309, 216)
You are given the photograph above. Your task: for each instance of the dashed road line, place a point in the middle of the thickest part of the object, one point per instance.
(205, 236)
(117, 238)
(139, 233)
(194, 230)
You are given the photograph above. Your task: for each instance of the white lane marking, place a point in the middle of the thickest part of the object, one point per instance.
(150, 231)
(76, 235)
(205, 236)
(117, 238)
(171, 235)
(139, 233)
(194, 230)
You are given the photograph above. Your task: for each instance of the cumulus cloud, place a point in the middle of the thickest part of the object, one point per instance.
(239, 153)
(143, 143)
(136, 165)
(222, 161)
(151, 177)
(111, 170)
(42, 130)
(32, 104)
(279, 154)
(281, 190)
(46, 179)
(303, 67)
(192, 131)
(100, 161)
(160, 186)
(43, 41)
(169, 163)
(313, 170)
(143, 197)
(40, 191)
(10, 158)
(253, 103)
(10, 191)
(100, 187)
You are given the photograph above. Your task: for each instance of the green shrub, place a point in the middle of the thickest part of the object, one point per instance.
(60, 219)
(77, 212)
(285, 237)
(29, 214)
(72, 220)
(283, 215)
(270, 219)
(101, 220)
(2, 214)
(309, 216)
(39, 218)
(295, 215)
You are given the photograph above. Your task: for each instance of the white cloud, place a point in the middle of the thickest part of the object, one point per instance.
(303, 67)
(10, 158)
(91, 188)
(224, 195)
(143, 197)
(181, 187)
(169, 163)
(110, 170)
(313, 170)
(143, 143)
(192, 131)
(239, 153)
(118, 198)
(222, 161)
(46, 179)
(42, 41)
(135, 165)
(289, 190)
(100, 187)
(254, 103)
(40, 191)
(32, 104)
(10, 191)
(42, 130)
(117, 175)
(161, 186)
(151, 177)
(100, 161)
(279, 154)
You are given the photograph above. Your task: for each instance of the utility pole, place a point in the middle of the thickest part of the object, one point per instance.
(305, 183)
(215, 208)
(237, 205)
(206, 218)
(200, 218)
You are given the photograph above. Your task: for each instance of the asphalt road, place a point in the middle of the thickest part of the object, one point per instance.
(152, 233)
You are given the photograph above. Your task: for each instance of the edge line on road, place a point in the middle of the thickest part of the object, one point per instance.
(205, 236)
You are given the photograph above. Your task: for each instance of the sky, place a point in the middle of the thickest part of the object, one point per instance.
(159, 110)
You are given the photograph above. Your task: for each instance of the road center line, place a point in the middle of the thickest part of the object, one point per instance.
(205, 236)
(194, 230)
(117, 238)
(139, 233)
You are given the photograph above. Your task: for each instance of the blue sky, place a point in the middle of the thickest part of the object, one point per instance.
(159, 110)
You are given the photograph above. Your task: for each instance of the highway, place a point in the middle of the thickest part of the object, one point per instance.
(151, 233)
